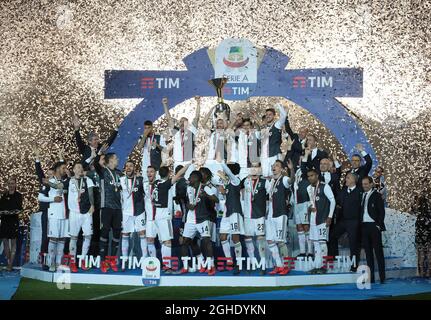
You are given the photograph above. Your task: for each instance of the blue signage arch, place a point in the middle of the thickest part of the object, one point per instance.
(313, 89)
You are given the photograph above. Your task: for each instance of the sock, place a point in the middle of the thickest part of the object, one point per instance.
(125, 245)
(52, 247)
(166, 252)
(310, 248)
(283, 249)
(144, 248)
(59, 252)
(151, 250)
(238, 251)
(323, 249)
(114, 246)
(226, 248)
(261, 247)
(317, 254)
(103, 248)
(275, 254)
(72, 247)
(85, 246)
(250, 247)
(301, 240)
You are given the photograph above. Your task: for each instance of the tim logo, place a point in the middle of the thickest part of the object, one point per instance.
(236, 90)
(160, 83)
(312, 82)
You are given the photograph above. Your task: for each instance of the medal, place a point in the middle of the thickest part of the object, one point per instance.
(130, 191)
(196, 195)
(273, 187)
(150, 144)
(114, 179)
(254, 185)
(78, 187)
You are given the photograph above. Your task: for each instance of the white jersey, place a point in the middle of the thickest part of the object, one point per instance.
(132, 195)
(216, 143)
(150, 209)
(76, 189)
(146, 151)
(247, 148)
(56, 210)
(183, 144)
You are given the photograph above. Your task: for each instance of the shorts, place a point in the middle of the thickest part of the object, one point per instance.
(301, 215)
(254, 227)
(110, 218)
(319, 232)
(78, 221)
(276, 229)
(203, 229)
(58, 228)
(267, 163)
(133, 223)
(234, 224)
(161, 228)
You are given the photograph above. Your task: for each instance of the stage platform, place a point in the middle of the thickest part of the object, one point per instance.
(221, 279)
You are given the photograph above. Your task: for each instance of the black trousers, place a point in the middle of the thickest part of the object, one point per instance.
(44, 221)
(372, 242)
(351, 227)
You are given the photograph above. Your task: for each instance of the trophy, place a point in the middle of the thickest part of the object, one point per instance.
(222, 109)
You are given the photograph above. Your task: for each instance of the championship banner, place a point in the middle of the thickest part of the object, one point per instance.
(251, 72)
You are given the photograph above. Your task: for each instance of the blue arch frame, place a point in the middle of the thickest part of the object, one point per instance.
(298, 85)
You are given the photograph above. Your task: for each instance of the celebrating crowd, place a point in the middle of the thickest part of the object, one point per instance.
(245, 179)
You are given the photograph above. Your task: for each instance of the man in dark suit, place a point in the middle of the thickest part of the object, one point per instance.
(360, 170)
(330, 174)
(314, 154)
(298, 143)
(372, 218)
(89, 151)
(348, 217)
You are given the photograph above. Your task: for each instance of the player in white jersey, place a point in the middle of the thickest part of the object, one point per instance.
(133, 209)
(271, 138)
(183, 136)
(159, 216)
(254, 209)
(278, 189)
(58, 222)
(198, 221)
(80, 201)
(248, 147)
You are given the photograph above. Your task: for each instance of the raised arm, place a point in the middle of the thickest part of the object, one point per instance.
(112, 137)
(368, 161)
(288, 128)
(233, 178)
(168, 115)
(183, 170)
(207, 116)
(283, 114)
(198, 111)
(79, 142)
(38, 166)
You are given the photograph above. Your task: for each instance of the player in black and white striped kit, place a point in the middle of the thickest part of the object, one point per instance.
(254, 208)
(133, 208)
(198, 222)
(300, 202)
(278, 189)
(160, 222)
(232, 222)
(81, 207)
